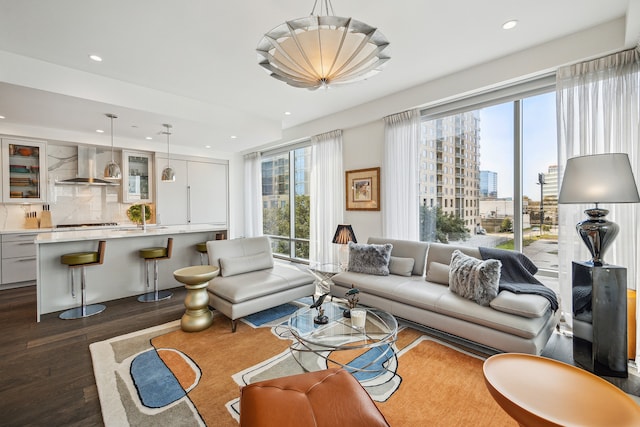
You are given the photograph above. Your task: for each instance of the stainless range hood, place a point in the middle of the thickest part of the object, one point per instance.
(87, 170)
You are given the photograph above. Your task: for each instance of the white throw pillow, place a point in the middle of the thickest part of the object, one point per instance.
(438, 273)
(245, 264)
(401, 266)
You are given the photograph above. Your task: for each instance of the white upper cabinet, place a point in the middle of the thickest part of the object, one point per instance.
(207, 193)
(199, 195)
(137, 177)
(24, 171)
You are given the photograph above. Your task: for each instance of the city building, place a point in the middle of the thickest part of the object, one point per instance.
(449, 165)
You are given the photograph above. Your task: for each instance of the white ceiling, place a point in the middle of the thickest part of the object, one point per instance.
(193, 64)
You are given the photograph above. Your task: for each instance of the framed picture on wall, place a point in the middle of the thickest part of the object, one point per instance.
(363, 189)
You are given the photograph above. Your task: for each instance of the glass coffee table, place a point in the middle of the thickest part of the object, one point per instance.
(365, 351)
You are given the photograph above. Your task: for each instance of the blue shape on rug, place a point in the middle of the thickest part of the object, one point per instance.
(156, 384)
(372, 360)
(271, 314)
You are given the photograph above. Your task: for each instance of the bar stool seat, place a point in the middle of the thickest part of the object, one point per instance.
(81, 260)
(154, 255)
(202, 248)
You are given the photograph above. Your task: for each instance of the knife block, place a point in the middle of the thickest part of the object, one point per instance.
(31, 223)
(45, 219)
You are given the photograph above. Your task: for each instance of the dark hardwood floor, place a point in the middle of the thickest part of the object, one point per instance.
(46, 374)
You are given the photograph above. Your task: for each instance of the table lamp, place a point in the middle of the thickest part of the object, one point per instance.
(344, 235)
(600, 178)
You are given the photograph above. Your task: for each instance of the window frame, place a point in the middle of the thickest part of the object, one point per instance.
(291, 239)
(514, 93)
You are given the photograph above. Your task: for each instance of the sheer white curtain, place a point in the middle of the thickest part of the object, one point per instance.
(327, 195)
(598, 106)
(253, 195)
(400, 198)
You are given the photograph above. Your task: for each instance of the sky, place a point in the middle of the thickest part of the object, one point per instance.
(539, 142)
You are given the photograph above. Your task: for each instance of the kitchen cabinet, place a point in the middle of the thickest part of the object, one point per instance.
(24, 171)
(18, 259)
(199, 195)
(137, 176)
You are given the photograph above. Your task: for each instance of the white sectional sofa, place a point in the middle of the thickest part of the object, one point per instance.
(512, 323)
(250, 280)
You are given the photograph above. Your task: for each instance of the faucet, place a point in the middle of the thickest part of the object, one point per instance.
(144, 217)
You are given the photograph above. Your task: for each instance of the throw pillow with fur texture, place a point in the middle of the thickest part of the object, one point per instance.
(474, 279)
(370, 259)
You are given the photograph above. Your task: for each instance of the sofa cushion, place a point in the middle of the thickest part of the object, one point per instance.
(453, 305)
(382, 286)
(401, 266)
(438, 273)
(217, 249)
(256, 284)
(370, 259)
(407, 249)
(245, 264)
(526, 305)
(474, 279)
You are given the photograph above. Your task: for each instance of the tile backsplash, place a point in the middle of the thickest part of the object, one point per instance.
(71, 204)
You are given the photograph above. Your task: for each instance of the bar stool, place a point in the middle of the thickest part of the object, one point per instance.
(81, 260)
(202, 248)
(154, 255)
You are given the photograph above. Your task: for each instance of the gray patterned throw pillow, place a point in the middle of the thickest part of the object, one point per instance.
(370, 259)
(474, 279)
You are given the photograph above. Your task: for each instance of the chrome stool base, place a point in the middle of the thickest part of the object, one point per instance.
(80, 312)
(153, 296)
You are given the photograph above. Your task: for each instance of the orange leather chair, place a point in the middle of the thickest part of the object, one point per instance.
(328, 398)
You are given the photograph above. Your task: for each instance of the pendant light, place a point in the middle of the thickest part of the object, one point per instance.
(322, 49)
(168, 175)
(112, 170)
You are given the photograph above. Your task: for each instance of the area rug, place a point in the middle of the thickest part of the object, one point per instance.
(163, 376)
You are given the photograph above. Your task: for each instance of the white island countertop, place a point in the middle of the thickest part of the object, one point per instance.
(121, 232)
(122, 273)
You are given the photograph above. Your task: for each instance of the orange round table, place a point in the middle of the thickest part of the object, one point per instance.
(537, 391)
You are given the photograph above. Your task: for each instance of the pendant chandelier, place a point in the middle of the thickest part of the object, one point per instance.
(168, 175)
(322, 50)
(112, 170)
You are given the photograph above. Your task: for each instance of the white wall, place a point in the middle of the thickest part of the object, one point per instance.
(362, 149)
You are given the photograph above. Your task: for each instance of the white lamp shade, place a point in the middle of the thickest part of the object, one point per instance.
(316, 51)
(600, 178)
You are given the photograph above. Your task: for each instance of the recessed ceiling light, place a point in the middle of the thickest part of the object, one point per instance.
(2, 117)
(233, 137)
(99, 131)
(95, 58)
(287, 113)
(148, 138)
(207, 146)
(510, 24)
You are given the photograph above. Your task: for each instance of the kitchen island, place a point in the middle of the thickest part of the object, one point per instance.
(122, 273)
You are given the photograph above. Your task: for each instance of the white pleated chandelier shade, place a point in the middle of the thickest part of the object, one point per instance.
(319, 51)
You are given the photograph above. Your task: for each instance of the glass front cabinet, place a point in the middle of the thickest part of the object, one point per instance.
(137, 173)
(24, 171)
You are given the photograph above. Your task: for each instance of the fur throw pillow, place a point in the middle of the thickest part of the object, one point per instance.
(474, 279)
(370, 259)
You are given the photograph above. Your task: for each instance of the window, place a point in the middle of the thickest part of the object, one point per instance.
(286, 220)
(481, 140)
